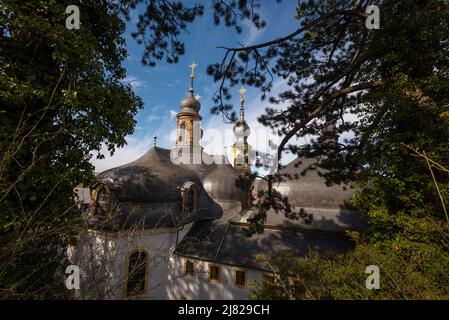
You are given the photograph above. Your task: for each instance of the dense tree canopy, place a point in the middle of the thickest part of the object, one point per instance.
(61, 98)
(394, 83)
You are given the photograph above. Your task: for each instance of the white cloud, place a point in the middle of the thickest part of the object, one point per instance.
(173, 113)
(134, 149)
(134, 82)
(153, 117)
(252, 33)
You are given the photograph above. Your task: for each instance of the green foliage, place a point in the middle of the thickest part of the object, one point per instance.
(407, 234)
(61, 97)
(408, 270)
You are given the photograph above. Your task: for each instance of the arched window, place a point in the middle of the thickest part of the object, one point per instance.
(189, 198)
(101, 201)
(136, 282)
(182, 132)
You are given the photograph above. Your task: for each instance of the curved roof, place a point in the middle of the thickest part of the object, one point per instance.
(190, 104)
(220, 183)
(149, 191)
(241, 129)
(219, 178)
(152, 177)
(310, 189)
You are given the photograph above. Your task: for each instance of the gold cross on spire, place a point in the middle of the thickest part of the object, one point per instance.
(193, 66)
(242, 92)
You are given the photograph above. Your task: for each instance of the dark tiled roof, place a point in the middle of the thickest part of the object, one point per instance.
(305, 186)
(149, 190)
(131, 215)
(332, 220)
(151, 178)
(149, 194)
(229, 243)
(220, 183)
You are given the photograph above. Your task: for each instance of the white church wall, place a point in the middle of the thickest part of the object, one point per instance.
(198, 286)
(97, 256)
(103, 260)
(159, 244)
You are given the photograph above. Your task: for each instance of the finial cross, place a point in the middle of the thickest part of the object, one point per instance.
(193, 66)
(242, 92)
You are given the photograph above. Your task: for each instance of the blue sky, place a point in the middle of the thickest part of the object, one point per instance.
(164, 86)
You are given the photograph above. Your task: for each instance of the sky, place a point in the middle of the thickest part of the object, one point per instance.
(164, 86)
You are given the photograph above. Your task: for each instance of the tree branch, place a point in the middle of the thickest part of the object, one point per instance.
(331, 97)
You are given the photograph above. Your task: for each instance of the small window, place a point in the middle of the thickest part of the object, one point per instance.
(137, 269)
(189, 199)
(101, 202)
(240, 278)
(214, 273)
(182, 132)
(189, 268)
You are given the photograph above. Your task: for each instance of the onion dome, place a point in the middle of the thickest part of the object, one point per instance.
(190, 104)
(241, 129)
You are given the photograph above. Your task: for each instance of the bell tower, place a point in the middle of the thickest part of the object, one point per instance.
(188, 118)
(240, 149)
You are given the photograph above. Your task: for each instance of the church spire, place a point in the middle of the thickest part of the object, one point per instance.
(192, 76)
(188, 118)
(242, 92)
(240, 149)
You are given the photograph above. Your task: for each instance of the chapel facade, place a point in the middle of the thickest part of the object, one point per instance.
(170, 225)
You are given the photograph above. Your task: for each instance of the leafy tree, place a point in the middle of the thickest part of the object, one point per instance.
(394, 82)
(61, 97)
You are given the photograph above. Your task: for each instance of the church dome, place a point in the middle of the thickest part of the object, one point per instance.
(220, 183)
(190, 104)
(310, 190)
(150, 189)
(241, 129)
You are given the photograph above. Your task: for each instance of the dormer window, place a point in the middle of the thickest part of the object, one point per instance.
(189, 198)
